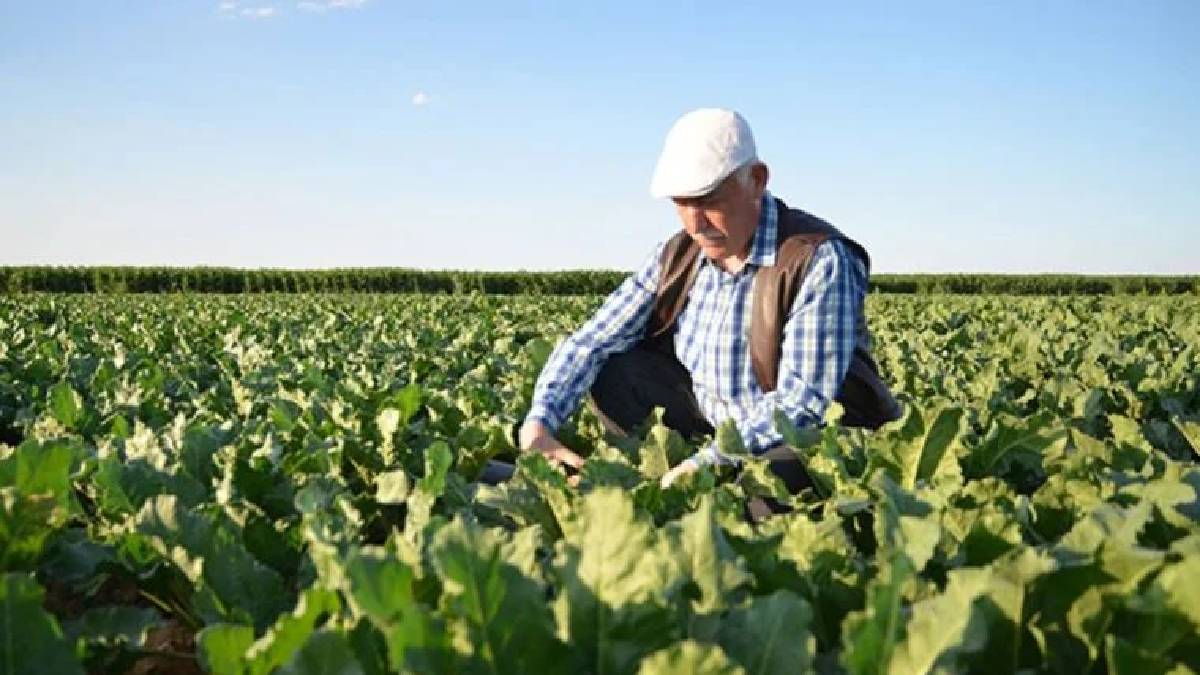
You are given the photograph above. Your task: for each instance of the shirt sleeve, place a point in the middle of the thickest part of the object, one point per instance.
(616, 327)
(818, 343)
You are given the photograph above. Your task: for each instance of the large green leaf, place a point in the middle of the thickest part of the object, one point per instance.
(946, 629)
(662, 449)
(523, 499)
(112, 625)
(609, 466)
(1010, 440)
(689, 657)
(483, 597)
(703, 554)
(326, 652)
(25, 525)
(921, 449)
(200, 444)
(30, 639)
(1004, 602)
(380, 585)
(870, 636)
(222, 648)
(1179, 587)
(72, 558)
(942, 434)
(770, 634)
(1105, 525)
(729, 440)
(408, 401)
(438, 459)
(36, 498)
(283, 640)
(125, 486)
(66, 405)
(904, 522)
(231, 585)
(1068, 615)
(614, 605)
(419, 642)
(41, 469)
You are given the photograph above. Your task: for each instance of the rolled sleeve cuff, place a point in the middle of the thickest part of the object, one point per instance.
(540, 412)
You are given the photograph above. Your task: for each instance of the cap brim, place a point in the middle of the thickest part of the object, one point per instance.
(661, 188)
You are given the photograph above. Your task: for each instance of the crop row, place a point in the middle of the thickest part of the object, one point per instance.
(572, 282)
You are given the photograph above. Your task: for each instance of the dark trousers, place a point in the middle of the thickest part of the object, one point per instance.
(632, 384)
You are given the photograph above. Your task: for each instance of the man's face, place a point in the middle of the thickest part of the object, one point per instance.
(723, 221)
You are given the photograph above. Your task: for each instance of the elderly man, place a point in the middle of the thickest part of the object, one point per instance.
(753, 307)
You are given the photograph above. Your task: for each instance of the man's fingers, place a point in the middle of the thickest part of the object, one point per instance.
(565, 456)
(534, 435)
(561, 457)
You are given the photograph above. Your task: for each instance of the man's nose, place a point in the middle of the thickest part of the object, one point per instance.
(694, 219)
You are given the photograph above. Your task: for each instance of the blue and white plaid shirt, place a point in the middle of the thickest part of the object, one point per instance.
(712, 340)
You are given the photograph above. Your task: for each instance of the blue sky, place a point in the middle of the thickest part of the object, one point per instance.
(946, 136)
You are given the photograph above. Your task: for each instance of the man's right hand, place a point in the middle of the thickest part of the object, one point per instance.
(535, 436)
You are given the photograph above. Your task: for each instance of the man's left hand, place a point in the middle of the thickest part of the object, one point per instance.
(678, 471)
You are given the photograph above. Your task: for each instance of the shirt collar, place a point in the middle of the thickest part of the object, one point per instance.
(762, 246)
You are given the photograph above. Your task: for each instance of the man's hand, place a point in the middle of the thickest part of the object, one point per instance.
(678, 471)
(535, 436)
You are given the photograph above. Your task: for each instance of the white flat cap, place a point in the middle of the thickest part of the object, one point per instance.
(702, 148)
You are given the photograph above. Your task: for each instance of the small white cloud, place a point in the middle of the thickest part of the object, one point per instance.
(326, 5)
(237, 8)
(265, 12)
(420, 99)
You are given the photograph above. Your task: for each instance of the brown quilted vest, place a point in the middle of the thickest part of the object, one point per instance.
(863, 394)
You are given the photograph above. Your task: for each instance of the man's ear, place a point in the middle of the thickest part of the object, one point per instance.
(759, 174)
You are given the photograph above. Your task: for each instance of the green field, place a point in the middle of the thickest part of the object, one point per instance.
(284, 483)
(232, 280)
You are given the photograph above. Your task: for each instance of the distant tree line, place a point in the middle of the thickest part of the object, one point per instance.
(571, 282)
